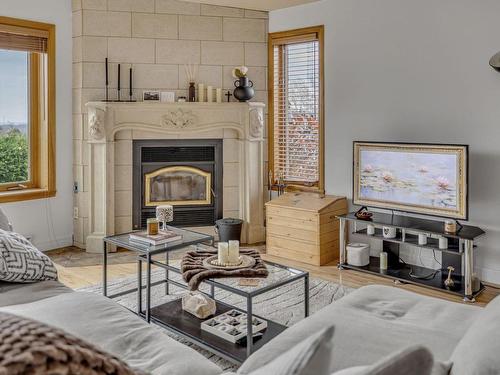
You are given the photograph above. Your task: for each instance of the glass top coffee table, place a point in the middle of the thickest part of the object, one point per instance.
(172, 317)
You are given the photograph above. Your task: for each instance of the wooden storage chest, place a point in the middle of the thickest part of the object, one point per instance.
(303, 227)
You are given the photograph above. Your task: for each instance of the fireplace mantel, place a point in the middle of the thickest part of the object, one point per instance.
(173, 120)
(106, 119)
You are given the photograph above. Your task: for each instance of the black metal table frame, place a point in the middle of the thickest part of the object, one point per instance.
(147, 258)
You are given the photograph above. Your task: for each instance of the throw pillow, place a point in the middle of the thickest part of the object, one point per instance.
(31, 347)
(415, 360)
(310, 357)
(21, 262)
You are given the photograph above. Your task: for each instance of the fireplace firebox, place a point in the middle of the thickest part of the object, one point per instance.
(186, 174)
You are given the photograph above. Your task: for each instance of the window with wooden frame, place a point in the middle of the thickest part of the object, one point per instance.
(27, 110)
(296, 129)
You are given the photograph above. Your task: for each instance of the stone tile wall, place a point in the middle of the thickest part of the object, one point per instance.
(156, 38)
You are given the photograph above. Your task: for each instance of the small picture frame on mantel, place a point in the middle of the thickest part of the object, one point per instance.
(151, 96)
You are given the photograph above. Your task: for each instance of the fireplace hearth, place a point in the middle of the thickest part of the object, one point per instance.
(186, 174)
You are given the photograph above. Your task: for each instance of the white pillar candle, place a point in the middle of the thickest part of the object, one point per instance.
(234, 251)
(370, 229)
(383, 260)
(210, 94)
(218, 95)
(201, 92)
(422, 239)
(223, 252)
(443, 242)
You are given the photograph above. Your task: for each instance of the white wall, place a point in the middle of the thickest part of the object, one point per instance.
(415, 71)
(49, 221)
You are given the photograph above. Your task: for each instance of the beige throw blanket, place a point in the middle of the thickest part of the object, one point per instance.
(193, 271)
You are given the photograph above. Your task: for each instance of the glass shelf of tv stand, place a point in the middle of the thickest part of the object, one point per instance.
(412, 239)
(414, 224)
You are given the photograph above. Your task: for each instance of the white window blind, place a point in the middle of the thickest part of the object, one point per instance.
(296, 110)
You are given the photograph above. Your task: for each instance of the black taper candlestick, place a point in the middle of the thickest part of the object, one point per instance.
(130, 85)
(119, 82)
(107, 81)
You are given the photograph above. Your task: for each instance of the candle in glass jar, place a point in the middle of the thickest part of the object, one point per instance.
(234, 251)
(152, 226)
(223, 253)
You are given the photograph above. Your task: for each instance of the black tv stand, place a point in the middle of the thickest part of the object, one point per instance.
(459, 253)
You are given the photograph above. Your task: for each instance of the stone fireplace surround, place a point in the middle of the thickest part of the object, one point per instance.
(239, 125)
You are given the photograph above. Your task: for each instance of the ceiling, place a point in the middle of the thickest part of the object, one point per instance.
(255, 4)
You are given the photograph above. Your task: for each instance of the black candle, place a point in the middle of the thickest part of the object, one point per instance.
(130, 84)
(118, 77)
(107, 82)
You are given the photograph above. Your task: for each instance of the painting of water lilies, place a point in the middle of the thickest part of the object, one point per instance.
(419, 178)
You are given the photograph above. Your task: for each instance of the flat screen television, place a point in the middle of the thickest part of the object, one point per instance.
(430, 179)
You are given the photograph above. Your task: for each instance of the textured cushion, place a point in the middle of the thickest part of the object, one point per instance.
(310, 357)
(415, 360)
(478, 352)
(20, 261)
(31, 347)
(100, 321)
(375, 321)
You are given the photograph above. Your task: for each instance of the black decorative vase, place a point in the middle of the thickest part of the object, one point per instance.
(244, 89)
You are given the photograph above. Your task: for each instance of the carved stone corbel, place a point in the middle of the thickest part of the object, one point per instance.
(256, 123)
(96, 124)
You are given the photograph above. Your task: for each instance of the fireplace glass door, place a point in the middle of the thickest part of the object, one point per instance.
(177, 185)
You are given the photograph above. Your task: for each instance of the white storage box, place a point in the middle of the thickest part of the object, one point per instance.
(358, 254)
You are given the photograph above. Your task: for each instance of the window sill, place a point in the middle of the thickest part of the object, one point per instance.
(25, 195)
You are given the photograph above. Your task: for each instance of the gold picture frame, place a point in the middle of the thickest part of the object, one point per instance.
(370, 186)
(149, 176)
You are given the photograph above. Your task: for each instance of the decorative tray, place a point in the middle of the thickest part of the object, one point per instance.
(245, 261)
(232, 325)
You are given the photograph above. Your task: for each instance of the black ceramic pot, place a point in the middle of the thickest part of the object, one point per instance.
(244, 89)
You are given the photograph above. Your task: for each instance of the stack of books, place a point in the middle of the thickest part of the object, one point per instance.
(157, 239)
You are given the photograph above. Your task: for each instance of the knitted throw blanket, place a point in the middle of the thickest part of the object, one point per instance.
(29, 347)
(193, 271)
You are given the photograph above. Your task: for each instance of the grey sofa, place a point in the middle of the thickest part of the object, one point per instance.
(370, 323)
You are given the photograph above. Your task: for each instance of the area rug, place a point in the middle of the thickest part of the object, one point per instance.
(284, 305)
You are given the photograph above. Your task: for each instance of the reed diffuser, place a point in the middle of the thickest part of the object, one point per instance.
(191, 76)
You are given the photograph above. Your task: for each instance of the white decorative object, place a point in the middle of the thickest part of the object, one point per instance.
(358, 254)
(443, 243)
(422, 239)
(383, 260)
(165, 214)
(179, 119)
(223, 252)
(234, 251)
(167, 97)
(218, 95)
(370, 229)
(244, 261)
(198, 304)
(232, 325)
(389, 232)
(210, 94)
(201, 92)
